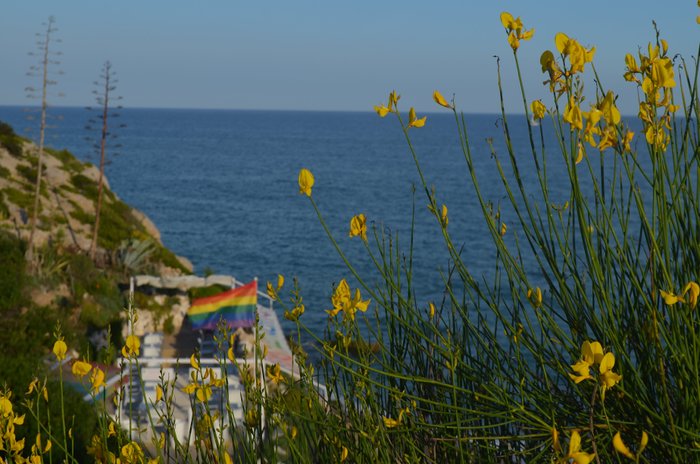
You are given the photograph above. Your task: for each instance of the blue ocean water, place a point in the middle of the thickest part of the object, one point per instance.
(222, 188)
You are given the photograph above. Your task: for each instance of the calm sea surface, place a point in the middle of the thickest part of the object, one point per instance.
(222, 188)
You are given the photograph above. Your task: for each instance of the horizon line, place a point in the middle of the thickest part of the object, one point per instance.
(278, 110)
(183, 108)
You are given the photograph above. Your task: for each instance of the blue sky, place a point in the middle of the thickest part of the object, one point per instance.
(322, 54)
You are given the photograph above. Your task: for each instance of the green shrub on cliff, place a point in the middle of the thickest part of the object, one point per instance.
(11, 141)
(12, 272)
(70, 162)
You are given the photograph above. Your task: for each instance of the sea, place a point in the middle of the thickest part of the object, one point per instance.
(221, 186)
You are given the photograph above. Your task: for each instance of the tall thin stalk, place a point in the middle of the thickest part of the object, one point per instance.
(46, 61)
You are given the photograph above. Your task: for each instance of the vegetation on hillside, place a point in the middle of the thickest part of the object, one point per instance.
(85, 297)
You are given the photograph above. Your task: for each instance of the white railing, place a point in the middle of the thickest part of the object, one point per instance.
(206, 362)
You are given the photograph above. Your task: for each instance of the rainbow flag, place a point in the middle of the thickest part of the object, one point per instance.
(236, 307)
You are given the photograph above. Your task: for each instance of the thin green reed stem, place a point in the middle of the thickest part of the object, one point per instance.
(63, 412)
(340, 252)
(350, 361)
(353, 271)
(46, 428)
(431, 197)
(466, 151)
(591, 427)
(404, 129)
(148, 406)
(533, 233)
(458, 416)
(659, 211)
(526, 109)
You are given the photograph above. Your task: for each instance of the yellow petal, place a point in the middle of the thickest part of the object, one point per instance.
(382, 110)
(358, 226)
(5, 407)
(193, 362)
(621, 448)
(671, 299)
(280, 281)
(32, 386)
(393, 99)
(574, 442)
(560, 41)
(506, 19)
(390, 423)
(363, 304)
(597, 350)
(203, 394)
(609, 379)
(643, 442)
(555, 440)
(131, 346)
(513, 40)
(607, 363)
(589, 54)
(538, 109)
(159, 393)
(587, 353)
(81, 368)
(546, 60)
(527, 35)
(631, 63)
(583, 369)
(610, 111)
(582, 458)
(190, 388)
(333, 312)
(97, 378)
(306, 182)
(627, 142)
(579, 153)
(419, 122)
(413, 121)
(59, 349)
(271, 292)
(440, 100)
(693, 289)
(534, 295)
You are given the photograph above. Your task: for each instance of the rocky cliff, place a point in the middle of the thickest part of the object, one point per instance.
(67, 212)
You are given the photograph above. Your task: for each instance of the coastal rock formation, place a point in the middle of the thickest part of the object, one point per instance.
(67, 210)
